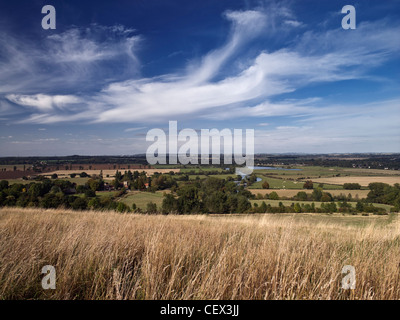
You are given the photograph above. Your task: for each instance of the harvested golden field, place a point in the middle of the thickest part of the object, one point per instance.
(363, 181)
(292, 192)
(105, 255)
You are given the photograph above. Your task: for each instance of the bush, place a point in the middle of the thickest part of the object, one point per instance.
(273, 196)
(308, 185)
(326, 197)
(265, 185)
(151, 208)
(94, 203)
(301, 196)
(81, 189)
(89, 193)
(352, 186)
(122, 207)
(79, 204)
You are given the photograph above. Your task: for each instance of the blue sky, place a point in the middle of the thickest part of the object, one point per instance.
(112, 70)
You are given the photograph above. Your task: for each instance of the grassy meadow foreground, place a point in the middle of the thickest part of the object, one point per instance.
(108, 255)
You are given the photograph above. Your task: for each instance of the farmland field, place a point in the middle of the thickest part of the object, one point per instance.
(110, 173)
(292, 192)
(142, 198)
(317, 204)
(363, 181)
(279, 183)
(312, 172)
(106, 255)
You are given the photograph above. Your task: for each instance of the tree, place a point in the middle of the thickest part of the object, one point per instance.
(326, 197)
(116, 184)
(382, 193)
(265, 185)
(3, 185)
(151, 207)
(329, 207)
(232, 203)
(81, 189)
(79, 204)
(301, 196)
(35, 191)
(169, 204)
(263, 207)
(317, 194)
(273, 196)
(352, 186)
(243, 204)
(122, 207)
(51, 200)
(297, 207)
(95, 184)
(118, 176)
(94, 203)
(89, 193)
(55, 189)
(308, 185)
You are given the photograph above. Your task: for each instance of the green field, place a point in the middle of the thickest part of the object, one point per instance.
(219, 176)
(78, 180)
(12, 181)
(318, 219)
(310, 172)
(142, 198)
(106, 194)
(282, 183)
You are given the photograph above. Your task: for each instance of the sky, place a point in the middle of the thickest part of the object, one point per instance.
(113, 70)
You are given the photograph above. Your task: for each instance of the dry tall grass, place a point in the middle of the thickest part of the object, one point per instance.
(114, 256)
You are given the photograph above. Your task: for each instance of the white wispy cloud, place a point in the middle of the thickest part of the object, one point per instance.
(293, 23)
(337, 128)
(43, 102)
(72, 60)
(209, 87)
(134, 129)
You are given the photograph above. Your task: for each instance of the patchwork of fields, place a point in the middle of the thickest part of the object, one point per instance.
(286, 182)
